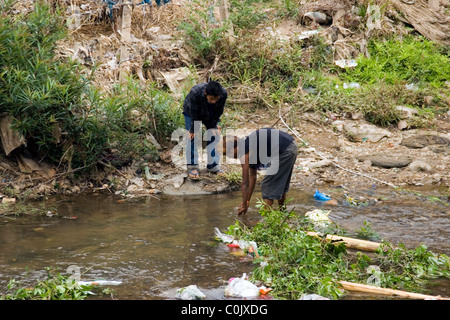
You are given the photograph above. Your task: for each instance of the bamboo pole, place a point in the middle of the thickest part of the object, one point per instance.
(351, 286)
(350, 242)
(125, 32)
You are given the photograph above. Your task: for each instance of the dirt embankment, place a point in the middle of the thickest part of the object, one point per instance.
(335, 152)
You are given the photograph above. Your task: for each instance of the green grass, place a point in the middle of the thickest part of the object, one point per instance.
(411, 60)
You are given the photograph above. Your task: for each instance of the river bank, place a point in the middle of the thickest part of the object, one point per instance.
(329, 156)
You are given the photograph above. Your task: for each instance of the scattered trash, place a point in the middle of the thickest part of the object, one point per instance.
(50, 214)
(321, 196)
(319, 17)
(351, 85)
(312, 297)
(223, 237)
(190, 293)
(351, 201)
(309, 89)
(308, 34)
(238, 252)
(70, 217)
(250, 246)
(264, 290)
(346, 63)
(100, 283)
(147, 173)
(8, 200)
(411, 86)
(319, 217)
(241, 288)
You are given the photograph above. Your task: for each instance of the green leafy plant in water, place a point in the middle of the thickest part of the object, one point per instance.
(55, 287)
(367, 232)
(293, 263)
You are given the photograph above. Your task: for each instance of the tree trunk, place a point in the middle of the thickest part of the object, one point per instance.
(351, 286)
(350, 242)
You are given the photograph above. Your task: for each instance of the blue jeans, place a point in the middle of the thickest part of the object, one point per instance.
(192, 148)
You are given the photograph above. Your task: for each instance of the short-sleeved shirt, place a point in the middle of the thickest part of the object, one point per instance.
(263, 145)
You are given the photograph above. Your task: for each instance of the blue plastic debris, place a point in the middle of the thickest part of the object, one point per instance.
(321, 196)
(159, 2)
(111, 4)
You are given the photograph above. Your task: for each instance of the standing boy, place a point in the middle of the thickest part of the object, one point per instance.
(204, 104)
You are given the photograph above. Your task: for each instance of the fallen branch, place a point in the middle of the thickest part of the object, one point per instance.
(351, 286)
(350, 242)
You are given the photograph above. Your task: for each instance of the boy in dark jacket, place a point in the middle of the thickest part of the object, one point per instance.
(204, 104)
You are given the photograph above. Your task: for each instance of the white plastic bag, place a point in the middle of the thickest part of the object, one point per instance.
(319, 218)
(312, 296)
(224, 237)
(99, 283)
(241, 288)
(190, 293)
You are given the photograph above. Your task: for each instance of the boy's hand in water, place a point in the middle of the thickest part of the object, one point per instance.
(242, 208)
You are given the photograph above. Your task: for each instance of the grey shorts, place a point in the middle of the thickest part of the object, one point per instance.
(275, 185)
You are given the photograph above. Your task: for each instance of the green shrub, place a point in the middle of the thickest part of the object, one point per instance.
(43, 94)
(55, 287)
(246, 15)
(202, 32)
(293, 263)
(130, 111)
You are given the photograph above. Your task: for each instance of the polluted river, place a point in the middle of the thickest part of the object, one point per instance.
(153, 246)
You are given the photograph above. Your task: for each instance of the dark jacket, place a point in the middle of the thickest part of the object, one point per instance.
(197, 107)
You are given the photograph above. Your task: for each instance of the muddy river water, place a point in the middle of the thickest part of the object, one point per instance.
(156, 246)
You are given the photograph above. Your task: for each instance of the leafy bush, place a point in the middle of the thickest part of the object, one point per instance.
(63, 118)
(293, 263)
(130, 111)
(43, 94)
(55, 287)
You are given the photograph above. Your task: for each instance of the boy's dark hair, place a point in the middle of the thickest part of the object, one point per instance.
(213, 88)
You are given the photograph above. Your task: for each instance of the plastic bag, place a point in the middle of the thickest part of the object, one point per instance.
(312, 296)
(241, 288)
(223, 237)
(249, 246)
(346, 63)
(321, 196)
(319, 217)
(190, 293)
